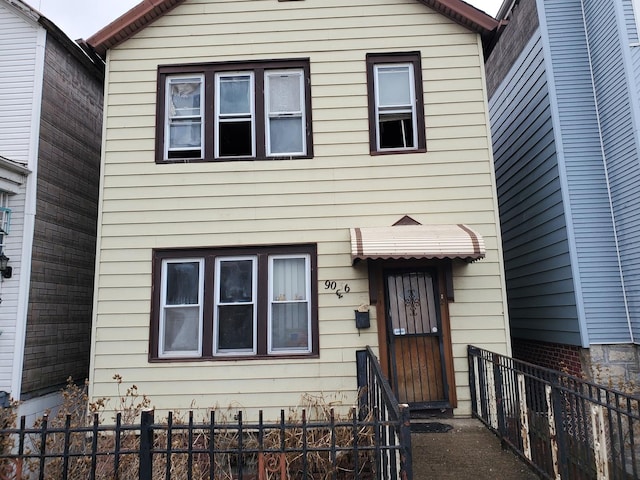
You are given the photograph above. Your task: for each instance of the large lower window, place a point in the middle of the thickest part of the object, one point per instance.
(396, 110)
(234, 111)
(234, 303)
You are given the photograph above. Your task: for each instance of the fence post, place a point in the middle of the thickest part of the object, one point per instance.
(561, 434)
(363, 394)
(406, 469)
(146, 445)
(472, 380)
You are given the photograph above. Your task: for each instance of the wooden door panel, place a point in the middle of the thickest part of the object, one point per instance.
(415, 345)
(419, 369)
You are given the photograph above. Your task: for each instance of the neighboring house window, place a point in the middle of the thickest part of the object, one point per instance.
(234, 111)
(235, 303)
(396, 106)
(5, 219)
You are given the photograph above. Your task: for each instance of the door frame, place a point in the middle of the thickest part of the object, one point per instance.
(377, 269)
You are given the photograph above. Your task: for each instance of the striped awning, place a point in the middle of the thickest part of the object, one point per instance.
(417, 241)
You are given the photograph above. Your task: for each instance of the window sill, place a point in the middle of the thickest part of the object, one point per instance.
(298, 356)
(397, 152)
(225, 160)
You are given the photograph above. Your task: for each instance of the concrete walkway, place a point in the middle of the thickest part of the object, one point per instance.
(467, 451)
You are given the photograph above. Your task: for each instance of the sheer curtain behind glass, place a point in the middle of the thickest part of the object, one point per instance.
(289, 304)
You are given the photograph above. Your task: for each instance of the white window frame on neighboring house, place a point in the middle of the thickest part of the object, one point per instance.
(5, 219)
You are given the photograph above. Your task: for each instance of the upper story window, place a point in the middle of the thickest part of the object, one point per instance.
(235, 303)
(234, 111)
(396, 106)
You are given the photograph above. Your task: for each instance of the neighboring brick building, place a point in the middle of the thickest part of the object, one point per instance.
(49, 182)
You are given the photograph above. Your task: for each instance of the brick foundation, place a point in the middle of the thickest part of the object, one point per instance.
(613, 366)
(566, 358)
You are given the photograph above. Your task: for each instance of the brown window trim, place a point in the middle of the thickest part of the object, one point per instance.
(373, 59)
(209, 255)
(209, 70)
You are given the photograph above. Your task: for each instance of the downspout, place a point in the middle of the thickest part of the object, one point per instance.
(29, 219)
(606, 174)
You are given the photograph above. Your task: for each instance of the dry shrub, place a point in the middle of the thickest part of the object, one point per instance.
(8, 417)
(77, 417)
(309, 426)
(321, 439)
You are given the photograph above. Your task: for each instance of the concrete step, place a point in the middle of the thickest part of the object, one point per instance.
(467, 450)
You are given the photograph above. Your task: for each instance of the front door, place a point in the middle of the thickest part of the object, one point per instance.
(414, 331)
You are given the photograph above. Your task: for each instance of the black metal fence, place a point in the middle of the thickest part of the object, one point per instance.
(565, 427)
(377, 398)
(369, 442)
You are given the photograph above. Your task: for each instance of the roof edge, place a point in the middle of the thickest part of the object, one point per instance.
(128, 24)
(465, 14)
(148, 11)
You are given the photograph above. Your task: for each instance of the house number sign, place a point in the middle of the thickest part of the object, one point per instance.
(339, 290)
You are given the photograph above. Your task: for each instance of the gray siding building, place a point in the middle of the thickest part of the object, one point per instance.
(562, 81)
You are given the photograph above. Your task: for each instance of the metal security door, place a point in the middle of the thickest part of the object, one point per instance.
(415, 339)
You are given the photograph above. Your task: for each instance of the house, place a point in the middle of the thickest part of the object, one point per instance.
(285, 183)
(50, 119)
(563, 82)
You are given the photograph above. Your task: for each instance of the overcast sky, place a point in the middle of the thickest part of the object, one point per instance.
(83, 18)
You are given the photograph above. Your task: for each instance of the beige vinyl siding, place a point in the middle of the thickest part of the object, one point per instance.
(146, 206)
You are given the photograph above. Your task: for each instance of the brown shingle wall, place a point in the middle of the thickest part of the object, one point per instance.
(59, 316)
(523, 22)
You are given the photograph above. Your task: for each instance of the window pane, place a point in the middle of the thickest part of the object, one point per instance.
(284, 93)
(235, 139)
(185, 134)
(285, 135)
(185, 98)
(181, 329)
(236, 282)
(394, 86)
(235, 327)
(182, 283)
(290, 326)
(396, 130)
(289, 279)
(235, 95)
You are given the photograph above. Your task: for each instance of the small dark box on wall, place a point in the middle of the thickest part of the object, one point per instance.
(362, 319)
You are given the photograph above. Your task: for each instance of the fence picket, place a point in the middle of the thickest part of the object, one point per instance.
(582, 430)
(372, 442)
(524, 418)
(599, 442)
